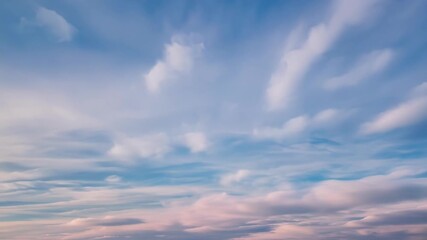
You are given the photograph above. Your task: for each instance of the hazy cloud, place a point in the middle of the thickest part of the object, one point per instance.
(56, 24)
(295, 63)
(368, 65)
(196, 141)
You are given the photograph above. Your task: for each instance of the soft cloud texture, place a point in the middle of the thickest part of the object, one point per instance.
(150, 146)
(407, 113)
(196, 141)
(179, 59)
(290, 128)
(55, 24)
(107, 221)
(42, 111)
(368, 65)
(407, 217)
(284, 231)
(236, 177)
(298, 125)
(113, 179)
(151, 123)
(296, 62)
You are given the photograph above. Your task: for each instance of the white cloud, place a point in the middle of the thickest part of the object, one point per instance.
(405, 114)
(369, 64)
(326, 118)
(295, 125)
(113, 179)
(295, 63)
(13, 176)
(55, 24)
(178, 59)
(155, 145)
(235, 177)
(290, 128)
(196, 141)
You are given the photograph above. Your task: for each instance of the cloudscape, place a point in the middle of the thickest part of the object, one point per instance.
(213, 120)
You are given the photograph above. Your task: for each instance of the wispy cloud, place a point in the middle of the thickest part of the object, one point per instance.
(368, 65)
(235, 177)
(107, 221)
(296, 62)
(129, 130)
(290, 128)
(56, 24)
(295, 126)
(113, 179)
(407, 113)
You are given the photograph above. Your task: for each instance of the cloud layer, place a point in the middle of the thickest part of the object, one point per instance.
(190, 120)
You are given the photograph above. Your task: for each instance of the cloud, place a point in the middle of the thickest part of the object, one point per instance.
(229, 211)
(420, 90)
(34, 125)
(55, 24)
(178, 60)
(235, 177)
(407, 217)
(39, 111)
(325, 210)
(368, 65)
(329, 196)
(326, 116)
(107, 221)
(385, 189)
(64, 164)
(296, 62)
(290, 128)
(155, 145)
(405, 114)
(113, 179)
(295, 126)
(283, 231)
(196, 141)
(13, 176)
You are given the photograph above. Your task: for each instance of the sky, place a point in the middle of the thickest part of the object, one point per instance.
(213, 120)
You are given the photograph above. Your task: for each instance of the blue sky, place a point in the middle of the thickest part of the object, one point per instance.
(255, 120)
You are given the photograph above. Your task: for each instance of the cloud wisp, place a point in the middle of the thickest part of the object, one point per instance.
(296, 62)
(368, 65)
(192, 120)
(56, 24)
(407, 113)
